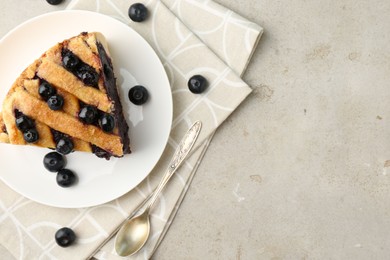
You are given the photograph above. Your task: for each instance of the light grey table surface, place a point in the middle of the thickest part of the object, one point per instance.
(300, 170)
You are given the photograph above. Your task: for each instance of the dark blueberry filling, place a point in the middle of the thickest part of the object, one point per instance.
(46, 90)
(27, 126)
(18, 113)
(108, 72)
(49, 93)
(110, 85)
(70, 61)
(87, 75)
(64, 143)
(64, 146)
(56, 135)
(24, 123)
(4, 129)
(107, 123)
(99, 152)
(81, 70)
(31, 135)
(55, 102)
(89, 114)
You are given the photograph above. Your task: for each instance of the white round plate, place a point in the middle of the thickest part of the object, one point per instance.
(135, 62)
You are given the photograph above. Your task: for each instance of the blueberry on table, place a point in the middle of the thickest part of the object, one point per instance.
(138, 12)
(53, 161)
(88, 114)
(55, 102)
(31, 135)
(107, 123)
(138, 95)
(46, 90)
(197, 84)
(65, 237)
(54, 2)
(23, 123)
(65, 178)
(64, 145)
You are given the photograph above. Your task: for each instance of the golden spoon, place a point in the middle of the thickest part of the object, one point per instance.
(135, 232)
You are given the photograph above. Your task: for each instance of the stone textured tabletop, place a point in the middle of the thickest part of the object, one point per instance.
(301, 169)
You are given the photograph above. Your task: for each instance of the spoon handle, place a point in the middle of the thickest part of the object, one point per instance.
(180, 154)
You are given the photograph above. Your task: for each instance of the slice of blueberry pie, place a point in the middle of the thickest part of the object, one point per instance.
(68, 100)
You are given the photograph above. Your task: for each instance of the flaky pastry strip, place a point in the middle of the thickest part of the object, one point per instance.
(61, 78)
(58, 120)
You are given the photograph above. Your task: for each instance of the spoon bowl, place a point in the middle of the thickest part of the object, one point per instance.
(133, 235)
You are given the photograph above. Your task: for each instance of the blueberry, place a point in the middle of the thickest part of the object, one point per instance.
(197, 84)
(138, 12)
(46, 90)
(83, 71)
(66, 178)
(65, 237)
(88, 75)
(88, 114)
(53, 162)
(31, 135)
(64, 145)
(70, 61)
(55, 102)
(107, 123)
(54, 2)
(138, 95)
(23, 123)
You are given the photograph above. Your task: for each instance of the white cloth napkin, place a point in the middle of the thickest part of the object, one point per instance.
(190, 37)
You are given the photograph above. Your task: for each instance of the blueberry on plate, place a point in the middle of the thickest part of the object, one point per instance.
(64, 145)
(46, 90)
(88, 114)
(107, 123)
(65, 237)
(54, 2)
(197, 84)
(65, 178)
(138, 12)
(53, 161)
(23, 123)
(138, 95)
(55, 102)
(31, 135)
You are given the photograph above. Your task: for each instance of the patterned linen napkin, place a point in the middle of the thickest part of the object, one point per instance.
(190, 37)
